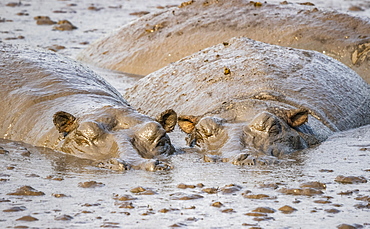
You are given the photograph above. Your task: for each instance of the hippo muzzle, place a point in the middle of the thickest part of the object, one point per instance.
(267, 133)
(272, 136)
(102, 140)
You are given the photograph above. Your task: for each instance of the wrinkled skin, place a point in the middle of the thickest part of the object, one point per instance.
(249, 102)
(52, 101)
(266, 134)
(156, 40)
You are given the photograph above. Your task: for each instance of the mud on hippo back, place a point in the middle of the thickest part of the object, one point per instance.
(155, 40)
(244, 97)
(49, 100)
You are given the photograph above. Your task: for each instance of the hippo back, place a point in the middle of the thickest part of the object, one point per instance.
(239, 74)
(156, 40)
(35, 84)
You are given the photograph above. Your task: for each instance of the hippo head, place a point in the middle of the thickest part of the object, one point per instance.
(111, 135)
(268, 133)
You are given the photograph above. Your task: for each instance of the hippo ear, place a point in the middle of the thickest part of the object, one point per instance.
(297, 117)
(168, 120)
(187, 123)
(64, 122)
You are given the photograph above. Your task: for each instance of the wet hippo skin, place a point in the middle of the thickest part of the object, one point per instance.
(243, 97)
(155, 40)
(52, 101)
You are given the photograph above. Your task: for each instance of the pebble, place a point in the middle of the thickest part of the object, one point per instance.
(348, 226)
(326, 170)
(184, 196)
(287, 209)
(350, 179)
(138, 189)
(185, 186)
(27, 191)
(2, 200)
(301, 191)
(44, 20)
(256, 214)
(348, 192)
(51, 177)
(355, 8)
(165, 210)
(63, 217)
(263, 218)
(257, 196)
(57, 195)
(362, 206)
(124, 197)
(15, 209)
(228, 210)
(90, 184)
(127, 205)
(231, 188)
(14, 4)
(64, 25)
(210, 190)
(322, 201)
(217, 204)
(264, 210)
(142, 191)
(332, 210)
(363, 198)
(27, 218)
(55, 48)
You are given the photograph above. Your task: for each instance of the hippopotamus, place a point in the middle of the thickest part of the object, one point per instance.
(52, 101)
(243, 100)
(155, 40)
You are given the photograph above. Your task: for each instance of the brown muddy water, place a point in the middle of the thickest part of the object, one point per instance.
(324, 187)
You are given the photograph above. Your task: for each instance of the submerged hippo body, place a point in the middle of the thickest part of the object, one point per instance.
(155, 40)
(52, 101)
(255, 98)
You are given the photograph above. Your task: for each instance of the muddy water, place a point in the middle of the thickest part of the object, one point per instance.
(41, 188)
(77, 195)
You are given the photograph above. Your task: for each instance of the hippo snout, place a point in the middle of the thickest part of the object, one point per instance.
(271, 135)
(151, 140)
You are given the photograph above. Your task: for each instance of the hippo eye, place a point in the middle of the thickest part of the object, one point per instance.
(81, 139)
(274, 128)
(208, 127)
(161, 143)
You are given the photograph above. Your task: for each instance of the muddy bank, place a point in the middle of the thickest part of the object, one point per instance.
(35, 22)
(306, 191)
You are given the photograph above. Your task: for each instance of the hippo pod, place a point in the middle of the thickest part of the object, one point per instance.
(243, 97)
(51, 101)
(155, 40)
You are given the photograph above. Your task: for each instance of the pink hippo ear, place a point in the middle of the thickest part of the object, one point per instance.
(187, 123)
(297, 117)
(64, 122)
(168, 120)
